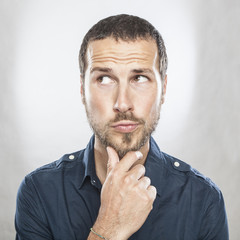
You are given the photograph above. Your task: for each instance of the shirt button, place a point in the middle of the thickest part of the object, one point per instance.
(93, 182)
(71, 157)
(176, 164)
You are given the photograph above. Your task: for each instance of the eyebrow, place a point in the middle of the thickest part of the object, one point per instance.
(109, 70)
(101, 69)
(142, 70)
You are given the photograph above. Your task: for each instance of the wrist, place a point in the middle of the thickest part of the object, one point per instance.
(95, 233)
(108, 232)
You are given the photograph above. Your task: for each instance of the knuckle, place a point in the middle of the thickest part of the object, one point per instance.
(141, 168)
(152, 191)
(147, 180)
(117, 170)
(127, 179)
(144, 183)
(114, 174)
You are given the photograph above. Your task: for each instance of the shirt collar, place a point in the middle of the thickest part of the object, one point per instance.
(88, 162)
(154, 164)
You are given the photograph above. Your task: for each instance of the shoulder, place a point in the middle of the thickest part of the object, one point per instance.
(193, 186)
(47, 182)
(176, 175)
(181, 170)
(41, 189)
(69, 160)
(53, 173)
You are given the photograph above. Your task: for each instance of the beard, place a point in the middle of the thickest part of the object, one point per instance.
(131, 141)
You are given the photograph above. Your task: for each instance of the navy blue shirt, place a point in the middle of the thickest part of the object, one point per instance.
(61, 200)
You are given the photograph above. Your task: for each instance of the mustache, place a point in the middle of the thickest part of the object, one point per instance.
(126, 116)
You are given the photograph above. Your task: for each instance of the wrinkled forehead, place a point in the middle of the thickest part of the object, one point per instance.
(109, 50)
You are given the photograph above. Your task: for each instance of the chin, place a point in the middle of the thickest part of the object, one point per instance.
(127, 142)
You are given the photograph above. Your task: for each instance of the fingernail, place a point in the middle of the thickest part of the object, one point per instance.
(139, 154)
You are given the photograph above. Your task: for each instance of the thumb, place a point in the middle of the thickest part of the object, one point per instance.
(113, 159)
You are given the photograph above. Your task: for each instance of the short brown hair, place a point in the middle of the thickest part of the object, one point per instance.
(127, 28)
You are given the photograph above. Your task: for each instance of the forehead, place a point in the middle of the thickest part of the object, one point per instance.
(109, 50)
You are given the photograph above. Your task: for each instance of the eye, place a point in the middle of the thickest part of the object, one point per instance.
(105, 80)
(141, 79)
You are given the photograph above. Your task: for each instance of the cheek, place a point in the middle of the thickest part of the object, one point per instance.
(153, 108)
(98, 104)
(148, 105)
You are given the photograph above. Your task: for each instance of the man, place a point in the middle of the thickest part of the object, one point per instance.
(121, 186)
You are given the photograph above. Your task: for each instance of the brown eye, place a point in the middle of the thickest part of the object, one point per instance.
(141, 79)
(105, 80)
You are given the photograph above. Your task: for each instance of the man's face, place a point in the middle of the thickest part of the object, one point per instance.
(122, 92)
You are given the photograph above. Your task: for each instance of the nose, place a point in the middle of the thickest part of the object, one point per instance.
(123, 101)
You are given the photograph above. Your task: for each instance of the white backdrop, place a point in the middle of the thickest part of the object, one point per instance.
(41, 114)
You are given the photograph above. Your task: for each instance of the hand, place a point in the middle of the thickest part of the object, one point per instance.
(126, 198)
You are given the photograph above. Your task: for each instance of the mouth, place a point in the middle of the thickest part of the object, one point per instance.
(125, 126)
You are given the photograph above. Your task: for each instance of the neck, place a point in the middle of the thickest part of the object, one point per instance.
(101, 158)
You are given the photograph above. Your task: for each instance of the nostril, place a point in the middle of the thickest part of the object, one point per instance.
(122, 108)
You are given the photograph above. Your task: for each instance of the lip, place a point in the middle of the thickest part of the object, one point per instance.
(125, 126)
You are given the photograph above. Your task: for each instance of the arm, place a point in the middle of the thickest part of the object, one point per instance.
(214, 225)
(126, 198)
(29, 220)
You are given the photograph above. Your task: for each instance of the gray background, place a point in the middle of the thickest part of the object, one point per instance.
(41, 116)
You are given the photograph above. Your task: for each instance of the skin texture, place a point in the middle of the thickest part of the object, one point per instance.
(122, 93)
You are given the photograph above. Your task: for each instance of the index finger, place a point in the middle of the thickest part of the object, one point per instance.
(129, 159)
(113, 159)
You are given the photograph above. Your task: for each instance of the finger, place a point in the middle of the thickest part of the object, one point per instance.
(113, 159)
(145, 182)
(152, 192)
(129, 159)
(137, 171)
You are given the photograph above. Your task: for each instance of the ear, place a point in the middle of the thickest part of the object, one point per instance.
(82, 91)
(164, 89)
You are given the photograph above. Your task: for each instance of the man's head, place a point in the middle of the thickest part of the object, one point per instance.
(123, 66)
(126, 28)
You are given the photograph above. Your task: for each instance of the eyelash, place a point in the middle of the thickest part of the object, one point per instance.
(100, 78)
(135, 78)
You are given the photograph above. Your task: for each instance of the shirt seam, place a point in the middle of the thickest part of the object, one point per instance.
(31, 182)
